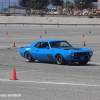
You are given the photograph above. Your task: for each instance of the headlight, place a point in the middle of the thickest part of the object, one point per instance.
(72, 54)
(91, 53)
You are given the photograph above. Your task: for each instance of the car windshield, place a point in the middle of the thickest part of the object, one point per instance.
(58, 44)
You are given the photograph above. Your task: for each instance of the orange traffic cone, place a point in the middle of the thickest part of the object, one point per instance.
(84, 44)
(83, 35)
(6, 32)
(40, 35)
(14, 77)
(14, 44)
(45, 32)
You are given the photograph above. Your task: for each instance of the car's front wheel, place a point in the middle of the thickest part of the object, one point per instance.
(28, 57)
(60, 60)
(83, 62)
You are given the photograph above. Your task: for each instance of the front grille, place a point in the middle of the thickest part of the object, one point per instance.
(86, 57)
(76, 57)
(81, 54)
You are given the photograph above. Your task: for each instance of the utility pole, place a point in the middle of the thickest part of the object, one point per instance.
(2, 7)
(81, 6)
(9, 6)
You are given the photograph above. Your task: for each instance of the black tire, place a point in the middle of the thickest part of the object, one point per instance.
(83, 62)
(28, 57)
(60, 60)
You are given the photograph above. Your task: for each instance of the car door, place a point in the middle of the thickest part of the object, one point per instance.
(42, 51)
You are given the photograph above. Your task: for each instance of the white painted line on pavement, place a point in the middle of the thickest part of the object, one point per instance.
(51, 83)
(4, 46)
(24, 71)
(94, 42)
(10, 46)
(88, 42)
(19, 38)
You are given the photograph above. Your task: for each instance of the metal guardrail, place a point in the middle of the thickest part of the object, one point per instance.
(76, 25)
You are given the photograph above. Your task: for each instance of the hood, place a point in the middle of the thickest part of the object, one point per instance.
(71, 48)
(75, 49)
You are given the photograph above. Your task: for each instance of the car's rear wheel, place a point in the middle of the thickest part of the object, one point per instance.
(83, 62)
(60, 60)
(28, 57)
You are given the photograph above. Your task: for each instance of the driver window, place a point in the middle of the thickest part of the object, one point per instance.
(42, 45)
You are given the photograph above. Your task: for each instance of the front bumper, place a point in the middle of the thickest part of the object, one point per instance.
(82, 56)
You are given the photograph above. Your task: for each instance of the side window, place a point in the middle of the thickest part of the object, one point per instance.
(42, 45)
(46, 45)
(37, 45)
(63, 44)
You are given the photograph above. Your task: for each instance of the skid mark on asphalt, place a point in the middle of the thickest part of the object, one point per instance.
(50, 83)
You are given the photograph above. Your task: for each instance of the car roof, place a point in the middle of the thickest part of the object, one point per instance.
(46, 40)
(49, 40)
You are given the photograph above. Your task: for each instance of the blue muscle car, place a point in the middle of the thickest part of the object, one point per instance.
(59, 51)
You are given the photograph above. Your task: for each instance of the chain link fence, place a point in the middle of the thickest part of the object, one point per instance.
(5, 5)
(14, 9)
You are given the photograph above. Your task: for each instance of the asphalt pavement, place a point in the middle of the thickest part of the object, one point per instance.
(47, 81)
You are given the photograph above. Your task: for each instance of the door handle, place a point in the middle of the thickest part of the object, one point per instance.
(37, 50)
